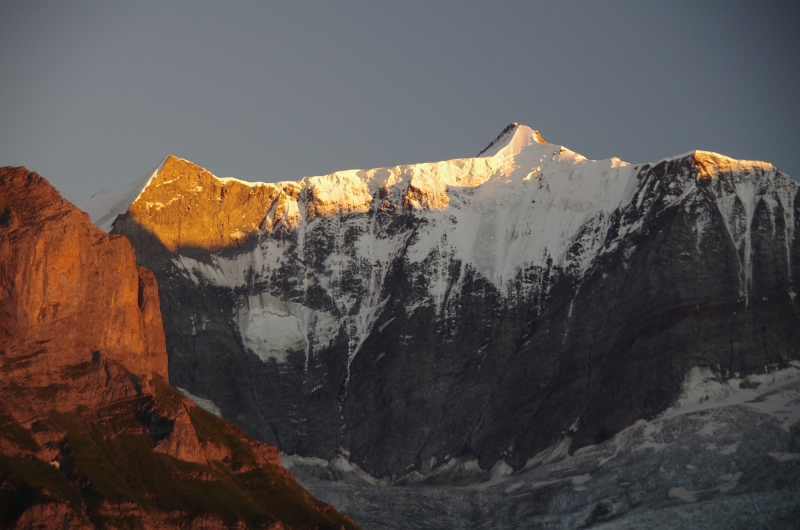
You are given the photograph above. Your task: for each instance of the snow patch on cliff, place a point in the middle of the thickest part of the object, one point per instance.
(205, 404)
(775, 392)
(271, 328)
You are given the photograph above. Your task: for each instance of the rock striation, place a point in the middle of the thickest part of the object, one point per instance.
(91, 434)
(477, 310)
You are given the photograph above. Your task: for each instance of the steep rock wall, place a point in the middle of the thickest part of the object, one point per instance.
(68, 284)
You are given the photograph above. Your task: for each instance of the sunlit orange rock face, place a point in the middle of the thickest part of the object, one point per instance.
(68, 285)
(186, 206)
(421, 198)
(91, 434)
(709, 165)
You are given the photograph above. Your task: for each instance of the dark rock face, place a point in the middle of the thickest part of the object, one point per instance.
(406, 358)
(717, 463)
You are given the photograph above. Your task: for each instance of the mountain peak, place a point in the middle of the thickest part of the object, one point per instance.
(512, 139)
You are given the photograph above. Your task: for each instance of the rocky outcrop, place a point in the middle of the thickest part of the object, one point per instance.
(91, 434)
(482, 309)
(51, 515)
(67, 286)
(182, 442)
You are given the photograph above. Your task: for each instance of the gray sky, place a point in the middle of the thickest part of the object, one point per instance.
(92, 95)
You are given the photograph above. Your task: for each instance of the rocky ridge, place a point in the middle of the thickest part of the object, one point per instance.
(91, 434)
(479, 309)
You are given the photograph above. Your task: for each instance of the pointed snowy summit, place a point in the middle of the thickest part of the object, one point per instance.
(514, 138)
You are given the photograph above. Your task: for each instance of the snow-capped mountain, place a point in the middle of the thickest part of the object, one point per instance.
(477, 310)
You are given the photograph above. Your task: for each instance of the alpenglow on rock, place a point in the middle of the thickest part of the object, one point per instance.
(91, 434)
(480, 309)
